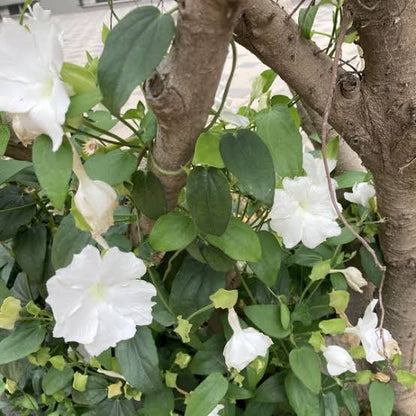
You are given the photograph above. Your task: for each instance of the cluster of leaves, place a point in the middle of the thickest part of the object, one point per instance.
(217, 237)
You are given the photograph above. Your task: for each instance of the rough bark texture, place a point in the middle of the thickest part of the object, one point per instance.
(182, 91)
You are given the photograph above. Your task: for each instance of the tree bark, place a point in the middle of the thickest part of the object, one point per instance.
(182, 91)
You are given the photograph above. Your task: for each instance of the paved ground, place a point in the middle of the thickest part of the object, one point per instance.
(82, 31)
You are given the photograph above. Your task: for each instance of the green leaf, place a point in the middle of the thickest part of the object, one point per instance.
(371, 271)
(306, 19)
(193, 285)
(173, 231)
(209, 358)
(160, 403)
(272, 390)
(10, 167)
(207, 150)
(344, 238)
(29, 247)
(349, 178)
(278, 130)
(80, 79)
(247, 157)
(207, 395)
(381, 398)
(83, 102)
(267, 318)
(53, 169)
(305, 364)
(320, 270)
(24, 340)
(303, 400)
(209, 199)
(95, 393)
(262, 83)
(334, 326)
(4, 138)
(55, 380)
(17, 208)
(406, 378)
(339, 300)
(69, 240)
(351, 402)
(217, 259)
(239, 241)
(120, 407)
(113, 167)
(149, 126)
(268, 268)
(330, 404)
(132, 51)
(148, 194)
(139, 362)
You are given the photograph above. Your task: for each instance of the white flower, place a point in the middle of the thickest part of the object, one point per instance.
(302, 211)
(353, 277)
(216, 410)
(338, 360)
(361, 193)
(245, 345)
(30, 86)
(95, 200)
(315, 169)
(228, 114)
(98, 301)
(366, 329)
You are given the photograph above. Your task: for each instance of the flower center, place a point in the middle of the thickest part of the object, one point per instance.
(46, 88)
(98, 291)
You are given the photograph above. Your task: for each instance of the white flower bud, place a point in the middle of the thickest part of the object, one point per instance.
(245, 345)
(354, 278)
(95, 200)
(216, 410)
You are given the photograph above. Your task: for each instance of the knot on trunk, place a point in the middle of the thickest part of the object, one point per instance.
(349, 85)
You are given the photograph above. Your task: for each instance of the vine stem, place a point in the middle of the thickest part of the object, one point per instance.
(159, 293)
(338, 51)
(227, 88)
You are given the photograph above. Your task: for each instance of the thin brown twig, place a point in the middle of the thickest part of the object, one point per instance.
(343, 30)
(296, 9)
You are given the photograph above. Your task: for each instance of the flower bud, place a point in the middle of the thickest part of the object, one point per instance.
(94, 200)
(354, 278)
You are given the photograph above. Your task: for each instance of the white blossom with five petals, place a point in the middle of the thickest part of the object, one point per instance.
(369, 334)
(302, 211)
(30, 86)
(361, 194)
(245, 345)
(98, 301)
(338, 360)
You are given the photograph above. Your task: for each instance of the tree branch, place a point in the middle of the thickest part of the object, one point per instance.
(182, 91)
(265, 30)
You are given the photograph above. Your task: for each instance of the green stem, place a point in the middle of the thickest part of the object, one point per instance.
(199, 311)
(249, 292)
(308, 286)
(159, 293)
(168, 269)
(227, 88)
(174, 10)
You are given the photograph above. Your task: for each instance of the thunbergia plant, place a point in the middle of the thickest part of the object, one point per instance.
(232, 302)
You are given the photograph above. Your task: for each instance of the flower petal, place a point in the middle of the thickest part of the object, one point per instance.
(133, 299)
(112, 328)
(120, 267)
(80, 326)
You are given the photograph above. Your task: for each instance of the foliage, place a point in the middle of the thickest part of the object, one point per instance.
(218, 237)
